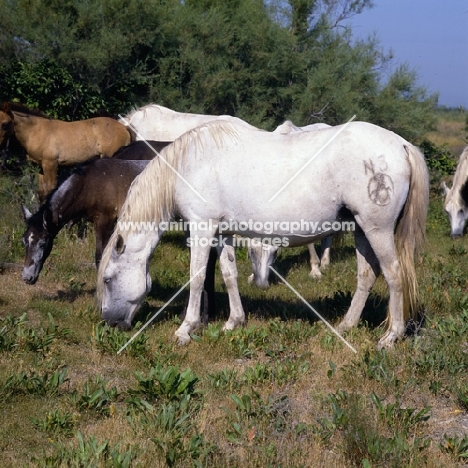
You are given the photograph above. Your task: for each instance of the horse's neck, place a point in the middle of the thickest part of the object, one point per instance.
(63, 205)
(25, 126)
(45, 216)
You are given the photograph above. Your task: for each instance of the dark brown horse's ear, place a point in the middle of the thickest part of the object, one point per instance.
(26, 213)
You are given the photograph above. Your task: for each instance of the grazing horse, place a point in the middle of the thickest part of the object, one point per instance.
(51, 143)
(95, 192)
(456, 198)
(265, 185)
(156, 122)
(263, 256)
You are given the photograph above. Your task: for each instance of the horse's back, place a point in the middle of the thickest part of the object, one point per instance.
(159, 123)
(77, 141)
(358, 166)
(102, 182)
(140, 150)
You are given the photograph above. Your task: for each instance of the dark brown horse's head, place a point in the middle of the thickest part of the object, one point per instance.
(37, 240)
(6, 121)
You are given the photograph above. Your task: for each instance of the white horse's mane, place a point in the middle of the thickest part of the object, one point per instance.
(461, 173)
(145, 108)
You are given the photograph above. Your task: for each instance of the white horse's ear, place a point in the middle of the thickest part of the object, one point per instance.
(26, 213)
(119, 245)
(446, 189)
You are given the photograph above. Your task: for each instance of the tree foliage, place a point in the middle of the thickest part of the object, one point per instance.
(263, 61)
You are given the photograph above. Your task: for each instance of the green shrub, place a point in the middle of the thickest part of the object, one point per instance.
(438, 158)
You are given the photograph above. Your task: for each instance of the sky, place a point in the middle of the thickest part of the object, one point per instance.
(430, 35)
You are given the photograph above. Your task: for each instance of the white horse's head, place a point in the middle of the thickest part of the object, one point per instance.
(456, 206)
(456, 198)
(124, 280)
(262, 257)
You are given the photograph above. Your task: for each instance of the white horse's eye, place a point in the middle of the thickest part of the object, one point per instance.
(107, 280)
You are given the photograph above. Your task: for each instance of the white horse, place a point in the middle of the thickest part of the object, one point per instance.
(234, 179)
(288, 127)
(456, 198)
(155, 122)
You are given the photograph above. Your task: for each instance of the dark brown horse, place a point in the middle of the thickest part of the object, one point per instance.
(51, 143)
(95, 191)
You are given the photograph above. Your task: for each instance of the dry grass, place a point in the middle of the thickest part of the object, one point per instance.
(68, 297)
(451, 131)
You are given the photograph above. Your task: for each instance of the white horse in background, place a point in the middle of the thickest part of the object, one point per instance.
(263, 255)
(456, 198)
(367, 173)
(288, 127)
(155, 122)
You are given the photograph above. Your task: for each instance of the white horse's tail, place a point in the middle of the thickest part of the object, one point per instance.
(410, 231)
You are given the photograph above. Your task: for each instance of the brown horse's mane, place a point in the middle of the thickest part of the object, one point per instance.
(21, 108)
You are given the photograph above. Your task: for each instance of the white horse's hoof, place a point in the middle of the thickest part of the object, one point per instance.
(343, 327)
(182, 340)
(315, 274)
(385, 344)
(182, 336)
(231, 324)
(387, 341)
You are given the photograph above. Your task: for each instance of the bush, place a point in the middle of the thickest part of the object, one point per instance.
(438, 158)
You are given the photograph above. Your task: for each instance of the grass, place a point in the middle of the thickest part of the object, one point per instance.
(282, 391)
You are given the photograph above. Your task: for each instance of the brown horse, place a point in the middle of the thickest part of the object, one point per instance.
(95, 191)
(52, 143)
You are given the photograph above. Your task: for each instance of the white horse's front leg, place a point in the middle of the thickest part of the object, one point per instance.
(199, 253)
(227, 263)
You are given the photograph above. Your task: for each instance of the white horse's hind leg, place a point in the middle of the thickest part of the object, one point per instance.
(368, 270)
(227, 264)
(383, 245)
(314, 263)
(391, 270)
